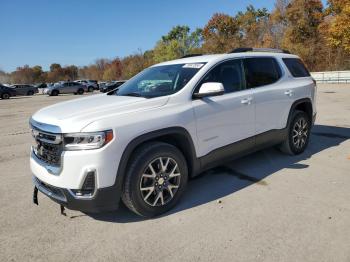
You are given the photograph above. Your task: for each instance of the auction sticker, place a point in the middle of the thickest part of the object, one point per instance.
(193, 65)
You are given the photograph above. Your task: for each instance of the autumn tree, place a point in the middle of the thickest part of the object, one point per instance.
(4, 77)
(221, 34)
(302, 35)
(178, 42)
(338, 31)
(277, 23)
(253, 27)
(113, 70)
(134, 64)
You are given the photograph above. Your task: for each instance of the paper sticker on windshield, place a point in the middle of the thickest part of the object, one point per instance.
(193, 66)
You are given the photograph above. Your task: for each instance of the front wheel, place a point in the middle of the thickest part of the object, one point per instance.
(298, 134)
(5, 96)
(81, 91)
(155, 180)
(90, 89)
(54, 93)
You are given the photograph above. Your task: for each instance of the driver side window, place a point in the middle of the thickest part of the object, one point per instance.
(229, 73)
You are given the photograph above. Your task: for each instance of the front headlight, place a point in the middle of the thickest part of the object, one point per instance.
(86, 141)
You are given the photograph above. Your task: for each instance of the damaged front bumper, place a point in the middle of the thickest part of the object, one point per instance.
(104, 199)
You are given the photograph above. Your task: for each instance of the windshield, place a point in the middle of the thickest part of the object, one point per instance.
(159, 81)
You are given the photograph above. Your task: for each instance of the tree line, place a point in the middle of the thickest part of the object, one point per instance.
(319, 34)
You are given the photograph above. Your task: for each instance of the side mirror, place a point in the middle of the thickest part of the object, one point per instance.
(210, 89)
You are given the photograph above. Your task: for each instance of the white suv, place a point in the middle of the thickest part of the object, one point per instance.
(142, 142)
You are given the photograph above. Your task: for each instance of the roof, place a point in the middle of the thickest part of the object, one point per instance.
(218, 57)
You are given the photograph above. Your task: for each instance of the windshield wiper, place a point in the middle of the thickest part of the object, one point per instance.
(135, 94)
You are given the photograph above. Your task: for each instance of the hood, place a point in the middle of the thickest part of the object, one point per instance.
(74, 115)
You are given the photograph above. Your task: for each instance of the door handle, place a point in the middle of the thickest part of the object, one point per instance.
(246, 101)
(288, 92)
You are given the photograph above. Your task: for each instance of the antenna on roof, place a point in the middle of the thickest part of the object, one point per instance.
(251, 49)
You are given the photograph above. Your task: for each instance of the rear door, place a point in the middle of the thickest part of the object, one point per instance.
(264, 77)
(65, 88)
(20, 90)
(76, 86)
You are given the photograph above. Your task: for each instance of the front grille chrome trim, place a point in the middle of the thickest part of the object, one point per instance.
(52, 129)
(49, 149)
(40, 135)
(54, 170)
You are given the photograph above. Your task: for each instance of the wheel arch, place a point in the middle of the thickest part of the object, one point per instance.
(177, 136)
(304, 105)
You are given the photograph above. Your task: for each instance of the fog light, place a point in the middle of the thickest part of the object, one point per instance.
(88, 188)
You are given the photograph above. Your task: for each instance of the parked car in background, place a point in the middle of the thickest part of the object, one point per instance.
(41, 85)
(91, 84)
(6, 92)
(102, 84)
(111, 86)
(25, 90)
(66, 88)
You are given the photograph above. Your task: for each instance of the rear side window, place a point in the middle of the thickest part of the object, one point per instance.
(296, 67)
(261, 71)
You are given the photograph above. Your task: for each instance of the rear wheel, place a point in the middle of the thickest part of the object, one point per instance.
(298, 134)
(54, 93)
(81, 91)
(155, 180)
(30, 93)
(5, 96)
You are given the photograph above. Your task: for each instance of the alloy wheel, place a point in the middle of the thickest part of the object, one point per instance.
(300, 133)
(160, 181)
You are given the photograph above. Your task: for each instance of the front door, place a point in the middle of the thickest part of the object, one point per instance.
(229, 118)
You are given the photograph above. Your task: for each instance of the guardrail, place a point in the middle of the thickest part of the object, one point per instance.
(332, 77)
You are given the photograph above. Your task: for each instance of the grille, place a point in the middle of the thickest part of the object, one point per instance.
(48, 147)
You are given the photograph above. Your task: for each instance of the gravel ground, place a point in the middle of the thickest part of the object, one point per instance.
(264, 207)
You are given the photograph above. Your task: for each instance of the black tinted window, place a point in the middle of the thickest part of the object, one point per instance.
(119, 84)
(229, 73)
(261, 71)
(296, 67)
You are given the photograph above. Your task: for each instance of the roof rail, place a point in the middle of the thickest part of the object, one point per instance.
(251, 49)
(191, 55)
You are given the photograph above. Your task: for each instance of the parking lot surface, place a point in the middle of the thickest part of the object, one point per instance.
(264, 207)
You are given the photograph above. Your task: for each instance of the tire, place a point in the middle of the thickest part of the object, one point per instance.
(5, 96)
(80, 91)
(30, 93)
(157, 199)
(54, 93)
(298, 134)
(90, 89)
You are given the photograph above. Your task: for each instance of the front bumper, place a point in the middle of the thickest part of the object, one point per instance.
(104, 199)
